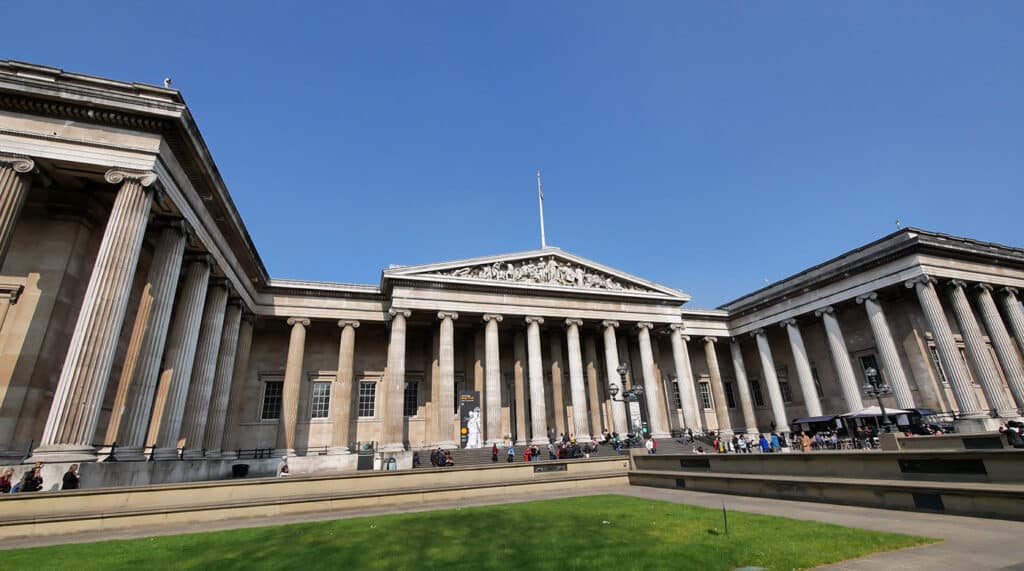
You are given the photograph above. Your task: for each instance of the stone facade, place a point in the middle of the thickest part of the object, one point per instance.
(136, 314)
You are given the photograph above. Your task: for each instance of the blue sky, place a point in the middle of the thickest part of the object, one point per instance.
(704, 145)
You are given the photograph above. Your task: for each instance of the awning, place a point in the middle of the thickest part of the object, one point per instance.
(811, 419)
(873, 411)
(923, 411)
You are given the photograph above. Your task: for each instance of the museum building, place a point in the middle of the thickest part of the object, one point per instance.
(135, 313)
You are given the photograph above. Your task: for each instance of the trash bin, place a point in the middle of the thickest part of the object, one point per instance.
(239, 470)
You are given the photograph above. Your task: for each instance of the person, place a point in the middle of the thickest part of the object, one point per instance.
(71, 478)
(528, 455)
(415, 459)
(765, 445)
(511, 453)
(32, 481)
(1013, 434)
(805, 442)
(282, 469)
(494, 452)
(448, 460)
(650, 446)
(775, 442)
(6, 481)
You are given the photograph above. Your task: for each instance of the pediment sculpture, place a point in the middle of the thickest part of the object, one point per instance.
(543, 271)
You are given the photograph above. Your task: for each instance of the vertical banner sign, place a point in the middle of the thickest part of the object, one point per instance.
(636, 419)
(470, 435)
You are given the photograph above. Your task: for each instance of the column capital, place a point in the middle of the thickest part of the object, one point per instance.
(201, 257)
(710, 339)
(957, 284)
(788, 322)
(609, 323)
(758, 332)
(117, 176)
(645, 325)
(922, 279)
(442, 315)
(492, 317)
(1009, 290)
(293, 321)
(873, 296)
(235, 301)
(394, 312)
(20, 163)
(248, 317)
(827, 309)
(534, 319)
(343, 323)
(677, 327)
(984, 286)
(574, 321)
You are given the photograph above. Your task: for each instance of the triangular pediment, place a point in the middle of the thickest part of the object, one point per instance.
(545, 269)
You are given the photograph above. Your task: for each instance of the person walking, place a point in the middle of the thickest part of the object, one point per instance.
(805, 442)
(511, 453)
(71, 478)
(494, 452)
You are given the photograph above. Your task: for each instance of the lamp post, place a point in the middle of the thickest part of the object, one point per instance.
(628, 396)
(874, 386)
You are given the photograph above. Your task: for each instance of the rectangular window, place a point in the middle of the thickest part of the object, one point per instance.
(271, 409)
(460, 385)
(411, 399)
(787, 393)
(321, 405)
(705, 395)
(677, 400)
(817, 382)
(755, 392)
(730, 396)
(937, 363)
(367, 399)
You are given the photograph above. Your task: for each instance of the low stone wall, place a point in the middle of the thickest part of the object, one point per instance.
(977, 441)
(116, 474)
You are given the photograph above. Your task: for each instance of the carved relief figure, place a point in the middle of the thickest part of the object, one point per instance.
(547, 271)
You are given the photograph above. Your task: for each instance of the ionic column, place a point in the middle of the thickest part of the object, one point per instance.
(949, 355)
(803, 368)
(611, 358)
(977, 351)
(217, 413)
(771, 380)
(891, 364)
(179, 356)
(141, 369)
(15, 173)
(394, 380)
(557, 400)
(653, 392)
(684, 377)
(1005, 351)
(717, 390)
(197, 405)
(840, 359)
(519, 355)
(83, 378)
(538, 412)
(492, 379)
(593, 394)
(344, 397)
(578, 391)
(1014, 313)
(446, 366)
(292, 387)
(743, 387)
(236, 400)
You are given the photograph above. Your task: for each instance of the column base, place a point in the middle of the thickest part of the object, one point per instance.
(129, 454)
(543, 441)
(1008, 414)
(58, 453)
(447, 445)
(165, 454)
(392, 447)
(192, 454)
(338, 451)
(975, 425)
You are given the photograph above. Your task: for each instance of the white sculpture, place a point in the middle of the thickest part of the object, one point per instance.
(475, 438)
(545, 271)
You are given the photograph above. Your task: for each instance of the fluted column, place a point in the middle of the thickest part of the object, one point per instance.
(953, 366)
(743, 387)
(1014, 314)
(236, 400)
(841, 359)
(1005, 351)
(14, 185)
(519, 355)
(197, 405)
(446, 366)
(593, 379)
(394, 389)
(179, 356)
(83, 378)
(717, 390)
(684, 378)
(652, 391)
(344, 399)
(217, 411)
(890, 357)
(803, 368)
(141, 369)
(771, 380)
(558, 407)
(977, 352)
(576, 388)
(492, 379)
(538, 408)
(620, 421)
(292, 387)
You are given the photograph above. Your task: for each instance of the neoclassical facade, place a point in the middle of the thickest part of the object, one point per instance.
(135, 310)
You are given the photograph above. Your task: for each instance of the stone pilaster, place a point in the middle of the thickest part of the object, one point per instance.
(446, 366)
(213, 437)
(1000, 337)
(236, 400)
(841, 359)
(620, 422)
(141, 369)
(293, 372)
(83, 378)
(344, 398)
(949, 355)
(593, 384)
(394, 380)
(892, 366)
(803, 368)
(771, 380)
(492, 380)
(743, 387)
(15, 173)
(977, 352)
(519, 355)
(717, 390)
(179, 357)
(538, 408)
(577, 390)
(652, 392)
(197, 404)
(558, 408)
(684, 378)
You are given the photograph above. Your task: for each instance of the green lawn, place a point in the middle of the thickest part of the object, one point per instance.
(593, 532)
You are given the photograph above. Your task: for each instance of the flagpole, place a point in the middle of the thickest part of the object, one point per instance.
(540, 202)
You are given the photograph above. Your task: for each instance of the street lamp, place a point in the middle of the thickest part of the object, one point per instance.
(632, 394)
(874, 386)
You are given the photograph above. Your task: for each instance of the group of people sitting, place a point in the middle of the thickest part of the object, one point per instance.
(1013, 430)
(441, 458)
(32, 480)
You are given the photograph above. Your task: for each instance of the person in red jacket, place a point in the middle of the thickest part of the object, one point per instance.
(528, 455)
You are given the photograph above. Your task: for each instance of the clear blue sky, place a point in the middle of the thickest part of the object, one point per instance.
(707, 146)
